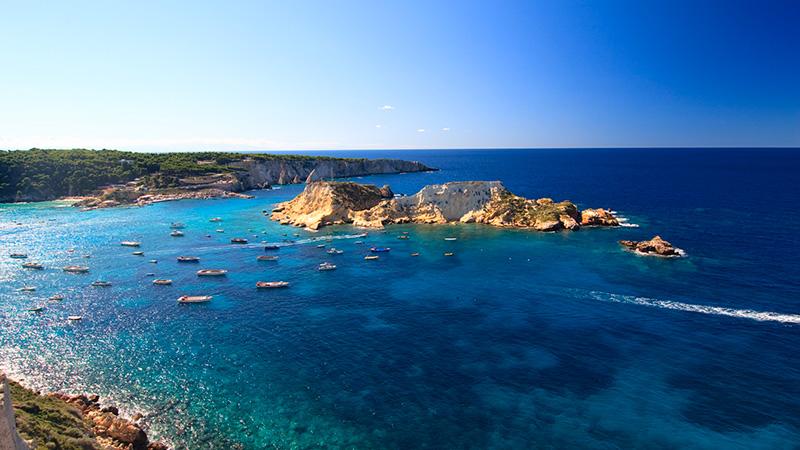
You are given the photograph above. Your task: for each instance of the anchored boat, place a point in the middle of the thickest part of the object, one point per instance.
(271, 284)
(162, 282)
(176, 233)
(211, 272)
(76, 269)
(380, 249)
(371, 257)
(194, 298)
(130, 243)
(267, 258)
(19, 255)
(238, 241)
(32, 265)
(326, 266)
(100, 283)
(56, 298)
(192, 259)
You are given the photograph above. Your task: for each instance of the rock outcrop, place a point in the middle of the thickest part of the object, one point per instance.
(489, 202)
(598, 217)
(111, 430)
(654, 247)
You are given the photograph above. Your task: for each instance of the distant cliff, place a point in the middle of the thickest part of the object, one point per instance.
(489, 202)
(123, 177)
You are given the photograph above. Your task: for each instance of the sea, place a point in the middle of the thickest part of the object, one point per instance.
(518, 340)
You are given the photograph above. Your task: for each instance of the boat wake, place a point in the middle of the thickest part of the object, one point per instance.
(761, 316)
(314, 240)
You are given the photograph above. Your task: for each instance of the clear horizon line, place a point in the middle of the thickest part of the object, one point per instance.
(604, 147)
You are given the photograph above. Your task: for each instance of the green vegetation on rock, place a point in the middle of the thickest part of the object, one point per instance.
(50, 423)
(40, 174)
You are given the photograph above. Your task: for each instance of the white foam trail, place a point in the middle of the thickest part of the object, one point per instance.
(761, 316)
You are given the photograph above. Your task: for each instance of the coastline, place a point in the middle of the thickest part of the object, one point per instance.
(49, 417)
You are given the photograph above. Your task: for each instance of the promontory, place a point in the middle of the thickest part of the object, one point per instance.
(110, 177)
(327, 203)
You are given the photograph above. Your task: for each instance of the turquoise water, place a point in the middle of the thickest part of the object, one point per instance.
(519, 340)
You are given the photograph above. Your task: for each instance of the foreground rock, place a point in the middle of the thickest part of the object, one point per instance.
(489, 202)
(75, 421)
(653, 247)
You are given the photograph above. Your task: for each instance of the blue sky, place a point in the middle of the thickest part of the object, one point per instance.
(238, 75)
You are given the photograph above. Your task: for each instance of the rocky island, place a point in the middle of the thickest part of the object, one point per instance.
(328, 203)
(654, 247)
(105, 178)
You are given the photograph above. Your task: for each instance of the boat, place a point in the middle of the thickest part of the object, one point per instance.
(271, 247)
(87, 256)
(215, 219)
(450, 239)
(335, 251)
(379, 249)
(149, 274)
(267, 258)
(415, 254)
(192, 259)
(76, 269)
(74, 318)
(130, 243)
(371, 257)
(448, 253)
(238, 241)
(36, 308)
(101, 283)
(321, 246)
(162, 282)
(176, 233)
(32, 265)
(153, 261)
(211, 272)
(271, 284)
(27, 289)
(194, 298)
(138, 253)
(219, 230)
(402, 236)
(19, 255)
(358, 242)
(177, 225)
(56, 298)
(326, 266)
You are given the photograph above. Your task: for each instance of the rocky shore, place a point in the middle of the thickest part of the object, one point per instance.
(653, 247)
(119, 197)
(244, 175)
(328, 203)
(75, 421)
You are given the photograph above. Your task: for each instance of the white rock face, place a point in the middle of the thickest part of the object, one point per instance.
(454, 200)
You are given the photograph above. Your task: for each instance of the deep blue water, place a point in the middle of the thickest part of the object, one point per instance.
(520, 340)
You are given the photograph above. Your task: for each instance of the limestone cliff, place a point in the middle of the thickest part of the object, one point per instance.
(489, 202)
(242, 175)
